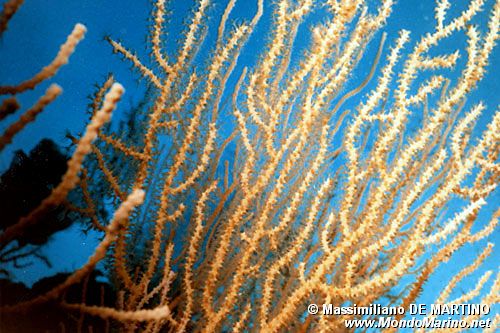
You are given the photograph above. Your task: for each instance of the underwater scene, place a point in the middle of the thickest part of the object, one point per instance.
(249, 166)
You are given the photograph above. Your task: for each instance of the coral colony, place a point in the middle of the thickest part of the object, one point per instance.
(248, 198)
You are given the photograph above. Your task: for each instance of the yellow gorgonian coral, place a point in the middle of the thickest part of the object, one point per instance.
(328, 196)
